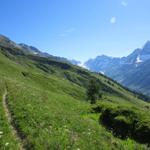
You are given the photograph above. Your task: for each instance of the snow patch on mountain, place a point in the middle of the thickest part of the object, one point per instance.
(81, 64)
(102, 72)
(138, 60)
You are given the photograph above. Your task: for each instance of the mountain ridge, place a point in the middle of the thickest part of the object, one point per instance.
(28, 49)
(125, 68)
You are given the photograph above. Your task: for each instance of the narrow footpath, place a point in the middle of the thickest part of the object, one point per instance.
(10, 122)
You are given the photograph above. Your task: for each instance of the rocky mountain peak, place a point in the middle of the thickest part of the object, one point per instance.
(6, 42)
(146, 48)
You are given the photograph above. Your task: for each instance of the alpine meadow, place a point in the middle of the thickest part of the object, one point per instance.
(82, 87)
(47, 102)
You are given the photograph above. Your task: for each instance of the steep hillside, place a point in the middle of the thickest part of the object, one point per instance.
(47, 103)
(138, 79)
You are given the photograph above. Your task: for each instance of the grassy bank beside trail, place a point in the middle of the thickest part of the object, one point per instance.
(7, 140)
(125, 120)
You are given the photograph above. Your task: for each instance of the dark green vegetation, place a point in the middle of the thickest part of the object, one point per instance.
(93, 91)
(126, 121)
(47, 101)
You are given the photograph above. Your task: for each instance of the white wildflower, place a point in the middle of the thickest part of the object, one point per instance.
(65, 126)
(6, 144)
(50, 127)
(67, 130)
(1, 132)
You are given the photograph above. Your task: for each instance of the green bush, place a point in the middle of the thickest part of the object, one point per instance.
(93, 91)
(125, 123)
(142, 132)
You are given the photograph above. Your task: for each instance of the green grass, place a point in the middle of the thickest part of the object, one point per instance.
(125, 119)
(60, 119)
(7, 140)
(47, 100)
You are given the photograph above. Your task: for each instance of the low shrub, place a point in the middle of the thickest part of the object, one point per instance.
(125, 123)
(142, 132)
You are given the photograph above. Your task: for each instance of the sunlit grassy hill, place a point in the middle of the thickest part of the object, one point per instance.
(47, 101)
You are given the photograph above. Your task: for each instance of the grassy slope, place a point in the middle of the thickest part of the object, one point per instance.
(49, 108)
(6, 134)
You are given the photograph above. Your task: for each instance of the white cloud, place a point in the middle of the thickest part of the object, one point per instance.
(67, 32)
(124, 3)
(113, 20)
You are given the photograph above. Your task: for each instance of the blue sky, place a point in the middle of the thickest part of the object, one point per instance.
(79, 29)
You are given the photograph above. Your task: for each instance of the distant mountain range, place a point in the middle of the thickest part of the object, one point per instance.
(132, 71)
(6, 42)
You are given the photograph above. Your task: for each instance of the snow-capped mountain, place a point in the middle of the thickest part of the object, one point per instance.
(132, 71)
(33, 50)
(104, 63)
